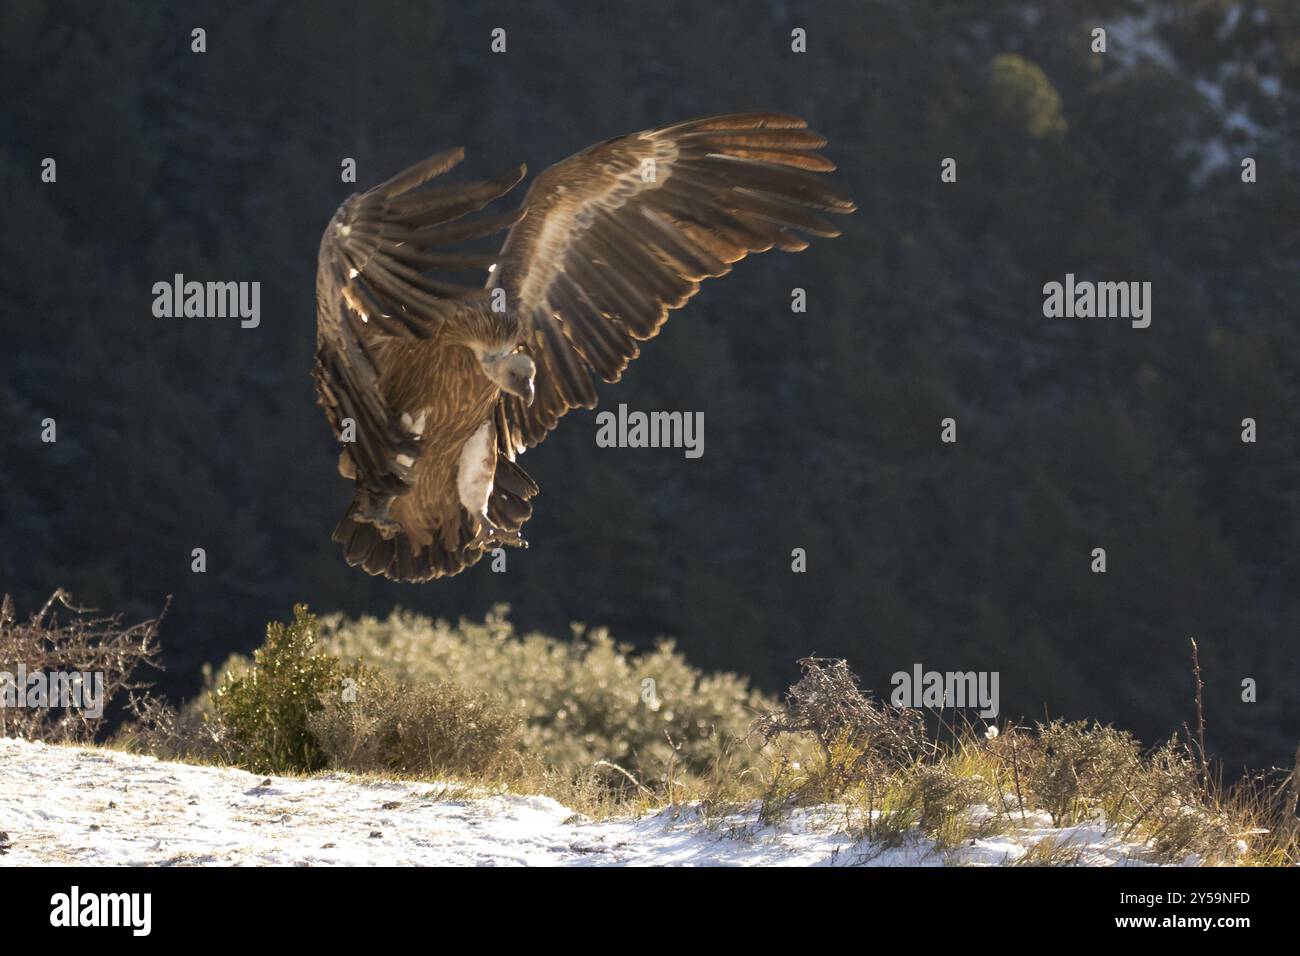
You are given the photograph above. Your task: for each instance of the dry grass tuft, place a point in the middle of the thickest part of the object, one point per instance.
(420, 730)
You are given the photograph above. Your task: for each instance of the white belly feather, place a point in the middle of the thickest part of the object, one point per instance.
(477, 465)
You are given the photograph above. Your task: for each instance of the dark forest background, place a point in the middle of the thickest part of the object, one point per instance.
(822, 429)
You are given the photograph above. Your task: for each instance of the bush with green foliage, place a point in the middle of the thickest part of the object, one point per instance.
(583, 700)
(264, 706)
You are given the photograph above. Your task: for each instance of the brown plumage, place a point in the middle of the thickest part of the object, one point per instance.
(434, 388)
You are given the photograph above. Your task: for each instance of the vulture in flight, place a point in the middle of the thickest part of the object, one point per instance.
(436, 388)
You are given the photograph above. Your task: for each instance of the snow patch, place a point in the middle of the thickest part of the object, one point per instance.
(95, 807)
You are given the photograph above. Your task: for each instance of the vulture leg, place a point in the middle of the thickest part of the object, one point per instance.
(474, 474)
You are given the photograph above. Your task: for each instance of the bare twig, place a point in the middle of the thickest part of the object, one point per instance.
(635, 782)
(1293, 816)
(1015, 774)
(1200, 718)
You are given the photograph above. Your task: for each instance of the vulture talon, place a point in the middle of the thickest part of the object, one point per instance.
(490, 534)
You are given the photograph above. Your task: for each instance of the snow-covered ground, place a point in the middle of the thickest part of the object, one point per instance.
(66, 805)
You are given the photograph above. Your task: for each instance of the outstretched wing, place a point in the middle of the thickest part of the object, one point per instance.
(372, 285)
(621, 233)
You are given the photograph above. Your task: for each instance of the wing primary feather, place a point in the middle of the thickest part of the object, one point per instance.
(695, 261)
(444, 233)
(814, 162)
(421, 172)
(619, 299)
(734, 121)
(411, 256)
(785, 213)
(445, 203)
(793, 184)
(797, 138)
(631, 258)
(608, 346)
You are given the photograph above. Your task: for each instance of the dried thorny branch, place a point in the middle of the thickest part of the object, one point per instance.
(1015, 772)
(47, 644)
(1292, 815)
(156, 727)
(1200, 718)
(827, 703)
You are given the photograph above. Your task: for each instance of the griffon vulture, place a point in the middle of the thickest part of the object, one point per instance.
(435, 388)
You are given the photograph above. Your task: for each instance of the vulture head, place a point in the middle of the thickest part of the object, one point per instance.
(513, 373)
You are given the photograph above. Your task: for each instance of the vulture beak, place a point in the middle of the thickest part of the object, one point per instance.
(530, 394)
